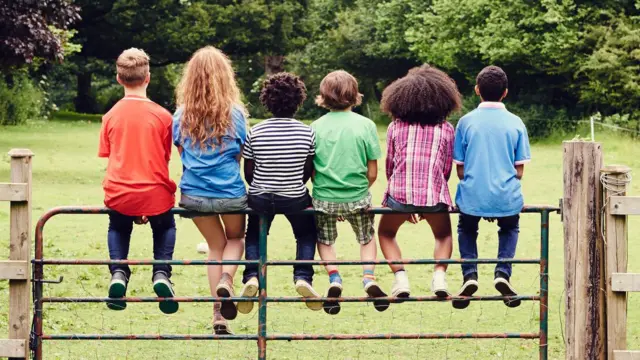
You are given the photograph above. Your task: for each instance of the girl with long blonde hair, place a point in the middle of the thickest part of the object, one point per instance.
(209, 130)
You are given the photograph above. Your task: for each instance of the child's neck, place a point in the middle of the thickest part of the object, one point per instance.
(140, 91)
(343, 110)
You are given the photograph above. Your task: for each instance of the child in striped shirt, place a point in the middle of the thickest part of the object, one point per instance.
(418, 165)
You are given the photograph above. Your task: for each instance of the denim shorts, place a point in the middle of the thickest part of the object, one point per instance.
(211, 205)
(393, 204)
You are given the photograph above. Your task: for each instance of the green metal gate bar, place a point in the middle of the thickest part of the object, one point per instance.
(263, 299)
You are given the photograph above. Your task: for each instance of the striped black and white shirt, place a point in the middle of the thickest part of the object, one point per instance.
(279, 149)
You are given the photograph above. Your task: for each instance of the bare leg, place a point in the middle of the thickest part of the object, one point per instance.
(368, 252)
(328, 253)
(441, 227)
(387, 230)
(211, 228)
(234, 228)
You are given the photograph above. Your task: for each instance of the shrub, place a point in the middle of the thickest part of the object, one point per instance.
(20, 99)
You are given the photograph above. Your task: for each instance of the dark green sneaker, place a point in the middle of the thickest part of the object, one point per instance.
(117, 289)
(164, 289)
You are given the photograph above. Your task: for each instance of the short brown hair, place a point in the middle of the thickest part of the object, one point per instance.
(132, 67)
(339, 91)
(425, 96)
(492, 82)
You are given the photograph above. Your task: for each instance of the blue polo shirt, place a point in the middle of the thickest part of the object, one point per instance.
(215, 171)
(489, 142)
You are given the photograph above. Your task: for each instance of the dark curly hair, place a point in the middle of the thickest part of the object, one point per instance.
(282, 94)
(492, 82)
(426, 96)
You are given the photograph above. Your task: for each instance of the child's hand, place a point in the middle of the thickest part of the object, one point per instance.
(490, 219)
(141, 220)
(340, 218)
(414, 218)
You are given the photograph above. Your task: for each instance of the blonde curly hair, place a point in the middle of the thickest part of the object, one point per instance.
(207, 94)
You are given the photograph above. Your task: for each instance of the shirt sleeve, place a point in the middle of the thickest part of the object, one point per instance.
(104, 149)
(176, 127)
(448, 154)
(523, 149)
(390, 152)
(312, 148)
(241, 126)
(459, 145)
(168, 137)
(373, 143)
(247, 151)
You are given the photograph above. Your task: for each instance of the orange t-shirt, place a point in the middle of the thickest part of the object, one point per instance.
(136, 137)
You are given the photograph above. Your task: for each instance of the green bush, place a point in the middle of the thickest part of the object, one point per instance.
(20, 99)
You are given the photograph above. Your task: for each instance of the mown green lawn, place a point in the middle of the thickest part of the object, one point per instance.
(66, 171)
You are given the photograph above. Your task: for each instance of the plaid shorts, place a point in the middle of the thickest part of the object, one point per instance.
(327, 214)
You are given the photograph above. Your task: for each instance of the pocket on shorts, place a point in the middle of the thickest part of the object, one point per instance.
(192, 203)
(229, 205)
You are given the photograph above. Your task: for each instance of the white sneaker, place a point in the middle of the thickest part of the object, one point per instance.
(400, 286)
(250, 289)
(439, 284)
(306, 291)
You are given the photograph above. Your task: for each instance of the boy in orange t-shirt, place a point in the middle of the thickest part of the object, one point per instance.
(136, 137)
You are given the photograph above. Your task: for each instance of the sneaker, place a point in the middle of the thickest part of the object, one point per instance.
(400, 287)
(118, 289)
(373, 290)
(439, 284)
(164, 289)
(469, 287)
(250, 289)
(335, 291)
(220, 325)
(225, 289)
(502, 284)
(306, 291)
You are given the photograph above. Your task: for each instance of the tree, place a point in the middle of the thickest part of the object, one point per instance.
(30, 29)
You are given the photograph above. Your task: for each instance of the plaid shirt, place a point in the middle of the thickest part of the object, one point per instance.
(419, 162)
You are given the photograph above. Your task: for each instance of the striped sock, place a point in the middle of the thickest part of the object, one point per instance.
(334, 277)
(367, 277)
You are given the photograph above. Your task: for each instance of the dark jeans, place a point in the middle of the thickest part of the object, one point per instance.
(303, 225)
(163, 227)
(507, 241)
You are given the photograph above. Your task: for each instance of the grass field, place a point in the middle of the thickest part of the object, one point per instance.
(66, 171)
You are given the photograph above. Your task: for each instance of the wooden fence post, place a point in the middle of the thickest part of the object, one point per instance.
(584, 252)
(20, 249)
(616, 177)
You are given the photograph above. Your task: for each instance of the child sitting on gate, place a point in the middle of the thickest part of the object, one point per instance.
(278, 163)
(209, 130)
(347, 150)
(136, 137)
(418, 166)
(490, 151)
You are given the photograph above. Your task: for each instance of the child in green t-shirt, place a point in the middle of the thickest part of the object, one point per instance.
(347, 150)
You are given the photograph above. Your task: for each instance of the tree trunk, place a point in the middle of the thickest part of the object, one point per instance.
(273, 64)
(85, 101)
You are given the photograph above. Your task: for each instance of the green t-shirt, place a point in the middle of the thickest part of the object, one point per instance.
(345, 141)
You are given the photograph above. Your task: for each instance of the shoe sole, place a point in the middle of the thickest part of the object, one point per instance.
(401, 294)
(468, 290)
(162, 289)
(308, 293)
(249, 290)
(117, 290)
(222, 329)
(506, 290)
(228, 309)
(442, 293)
(375, 291)
(332, 307)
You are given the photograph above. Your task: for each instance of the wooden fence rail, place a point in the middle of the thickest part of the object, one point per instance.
(17, 269)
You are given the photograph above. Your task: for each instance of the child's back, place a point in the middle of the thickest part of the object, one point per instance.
(136, 137)
(494, 141)
(345, 141)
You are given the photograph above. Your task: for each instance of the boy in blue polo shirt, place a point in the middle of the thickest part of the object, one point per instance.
(490, 150)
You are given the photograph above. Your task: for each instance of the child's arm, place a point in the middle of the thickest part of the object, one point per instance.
(519, 171)
(372, 171)
(390, 152)
(249, 167)
(460, 171)
(308, 169)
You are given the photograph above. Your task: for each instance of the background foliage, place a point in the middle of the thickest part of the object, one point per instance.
(566, 59)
